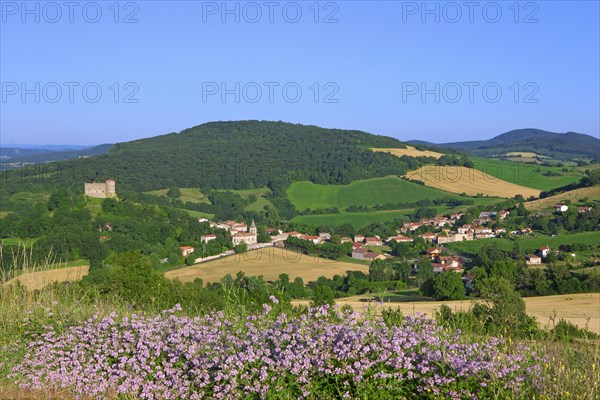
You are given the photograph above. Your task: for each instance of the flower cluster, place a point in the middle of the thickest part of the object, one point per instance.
(325, 353)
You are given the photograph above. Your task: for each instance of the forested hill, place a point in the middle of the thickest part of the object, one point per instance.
(238, 155)
(563, 146)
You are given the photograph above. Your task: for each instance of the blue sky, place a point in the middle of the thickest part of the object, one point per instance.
(445, 73)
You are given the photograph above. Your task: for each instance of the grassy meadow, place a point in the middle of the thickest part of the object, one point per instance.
(360, 219)
(527, 244)
(528, 175)
(575, 196)
(367, 192)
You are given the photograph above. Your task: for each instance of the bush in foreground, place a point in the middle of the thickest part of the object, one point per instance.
(325, 353)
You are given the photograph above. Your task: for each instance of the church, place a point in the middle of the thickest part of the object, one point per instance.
(249, 237)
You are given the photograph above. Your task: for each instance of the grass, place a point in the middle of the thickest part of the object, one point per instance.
(360, 219)
(4, 214)
(367, 192)
(18, 242)
(591, 193)
(94, 205)
(260, 202)
(198, 214)
(528, 175)
(527, 244)
(470, 181)
(269, 262)
(188, 195)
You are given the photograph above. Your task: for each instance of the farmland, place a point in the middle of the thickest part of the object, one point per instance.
(469, 181)
(575, 196)
(368, 192)
(528, 175)
(38, 279)
(579, 309)
(269, 262)
(526, 243)
(409, 151)
(360, 219)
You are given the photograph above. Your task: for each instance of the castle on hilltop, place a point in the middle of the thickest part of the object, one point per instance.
(101, 190)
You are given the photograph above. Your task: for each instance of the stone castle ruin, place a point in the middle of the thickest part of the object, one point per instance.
(101, 190)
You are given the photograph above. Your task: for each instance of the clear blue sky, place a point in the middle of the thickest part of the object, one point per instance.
(375, 61)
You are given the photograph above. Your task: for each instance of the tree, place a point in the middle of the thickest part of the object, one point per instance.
(444, 286)
(322, 295)
(241, 248)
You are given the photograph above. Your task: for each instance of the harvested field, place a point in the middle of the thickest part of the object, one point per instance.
(468, 180)
(409, 151)
(39, 279)
(269, 262)
(582, 309)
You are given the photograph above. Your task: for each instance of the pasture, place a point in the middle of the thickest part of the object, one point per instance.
(469, 181)
(269, 262)
(368, 192)
(575, 196)
(194, 195)
(188, 195)
(360, 219)
(528, 175)
(409, 151)
(527, 244)
(260, 202)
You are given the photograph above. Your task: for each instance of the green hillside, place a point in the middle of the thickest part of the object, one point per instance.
(368, 192)
(528, 175)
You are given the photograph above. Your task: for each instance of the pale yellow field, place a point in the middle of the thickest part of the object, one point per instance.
(409, 151)
(39, 279)
(523, 154)
(582, 309)
(269, 262)
(593, 193)
(468, 180)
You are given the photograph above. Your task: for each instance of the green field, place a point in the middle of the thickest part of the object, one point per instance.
(198, 214)
(17, 242)
(368, 192)
(528, 175)
(360, 219)
(188, 195)
(94, 205)
(260, 202)
(528, 244)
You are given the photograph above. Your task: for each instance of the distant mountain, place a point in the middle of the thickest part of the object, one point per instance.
(562, 146)
(13, 155)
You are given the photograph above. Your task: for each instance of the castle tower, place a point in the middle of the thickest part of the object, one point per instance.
(253, 228)
(111, 189)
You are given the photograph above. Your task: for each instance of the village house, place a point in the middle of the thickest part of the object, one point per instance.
(294, 234)
(533, 259)
(467, 227)
(356, 245)
(359, 238)
(543, 251)
(372, 255)
(186, 250)
(399, 239)
(314, 239)
(468, 281)
(410, 227)
(503, 214)
(207, 238)
(582, 210)
(346, 239)
(359, 253)
(201, 220)
(273, 231)
(429, 236)
(560, 207)
(373, 241)
(245, 237)
(483, 232)
(432, 253)
(497, 231)
(324, 236)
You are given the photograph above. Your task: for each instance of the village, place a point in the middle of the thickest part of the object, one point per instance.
(370, 248)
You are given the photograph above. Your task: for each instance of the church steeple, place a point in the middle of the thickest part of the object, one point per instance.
(253, 228)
